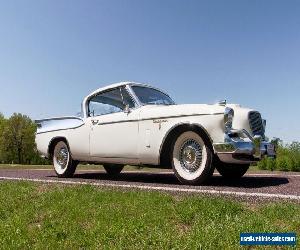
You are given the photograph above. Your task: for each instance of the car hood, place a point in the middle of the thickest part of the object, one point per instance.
(163, 111)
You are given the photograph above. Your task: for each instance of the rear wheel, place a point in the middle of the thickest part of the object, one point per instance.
(63, 163)
(231, 171)
(113, 169)
(191, 158)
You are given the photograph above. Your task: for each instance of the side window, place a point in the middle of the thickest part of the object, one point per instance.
(106, 103)
(127, 98)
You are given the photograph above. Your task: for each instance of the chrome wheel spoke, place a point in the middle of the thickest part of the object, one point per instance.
(62, 157)
(190, 155)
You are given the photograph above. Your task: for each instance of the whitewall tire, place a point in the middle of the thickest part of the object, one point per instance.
(191, 158)
(63, 163)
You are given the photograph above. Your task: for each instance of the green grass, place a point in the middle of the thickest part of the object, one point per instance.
(72, 217)
(19, 166)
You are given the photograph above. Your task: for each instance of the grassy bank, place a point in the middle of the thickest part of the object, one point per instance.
(56, 216)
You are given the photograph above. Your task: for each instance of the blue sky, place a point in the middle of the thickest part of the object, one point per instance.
(53, 53)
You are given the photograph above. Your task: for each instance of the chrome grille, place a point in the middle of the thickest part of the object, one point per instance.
(256, 123)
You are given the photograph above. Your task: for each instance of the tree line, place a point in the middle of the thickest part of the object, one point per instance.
(17, 140)
(288, 158)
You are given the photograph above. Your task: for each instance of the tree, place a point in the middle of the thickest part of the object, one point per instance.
(2, 124)
(2, 121)
(18, 139)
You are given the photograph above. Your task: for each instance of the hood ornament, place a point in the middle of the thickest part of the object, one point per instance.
(222, 103)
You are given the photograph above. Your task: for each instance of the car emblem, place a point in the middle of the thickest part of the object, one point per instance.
(159, 122)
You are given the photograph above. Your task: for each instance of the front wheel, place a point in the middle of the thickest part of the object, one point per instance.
(63, 163)
(191, 158)
(231, 171)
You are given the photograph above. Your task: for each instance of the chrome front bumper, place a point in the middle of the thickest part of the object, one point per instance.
(241, 148)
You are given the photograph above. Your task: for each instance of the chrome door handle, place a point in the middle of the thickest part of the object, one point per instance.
(94, 122)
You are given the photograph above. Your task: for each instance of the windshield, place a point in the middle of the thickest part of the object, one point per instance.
(151, 96)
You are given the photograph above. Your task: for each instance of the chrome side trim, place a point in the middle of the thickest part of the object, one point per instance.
(59, 123)
(58, 118)
(43, 132)
(156, 118)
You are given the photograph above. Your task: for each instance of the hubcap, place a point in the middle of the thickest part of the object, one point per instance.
(190, 155)
(62, 157)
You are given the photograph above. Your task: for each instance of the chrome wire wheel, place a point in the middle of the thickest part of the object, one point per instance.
(61, 157)
(191, 158)
(190, 155)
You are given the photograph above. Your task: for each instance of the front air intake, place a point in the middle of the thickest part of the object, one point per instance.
(256, 123)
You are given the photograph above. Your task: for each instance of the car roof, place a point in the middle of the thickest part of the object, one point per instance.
(119, 84)
(112, 86)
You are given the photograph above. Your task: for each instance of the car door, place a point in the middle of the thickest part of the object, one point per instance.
(113, 118)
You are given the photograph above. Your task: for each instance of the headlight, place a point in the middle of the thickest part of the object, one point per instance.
(228, 118)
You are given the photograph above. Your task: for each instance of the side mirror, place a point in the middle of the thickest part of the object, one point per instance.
(126, 109)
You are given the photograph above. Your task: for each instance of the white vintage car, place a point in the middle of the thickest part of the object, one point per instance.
(136, 124)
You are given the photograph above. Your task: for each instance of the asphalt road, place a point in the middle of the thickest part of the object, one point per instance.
(253, 186)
